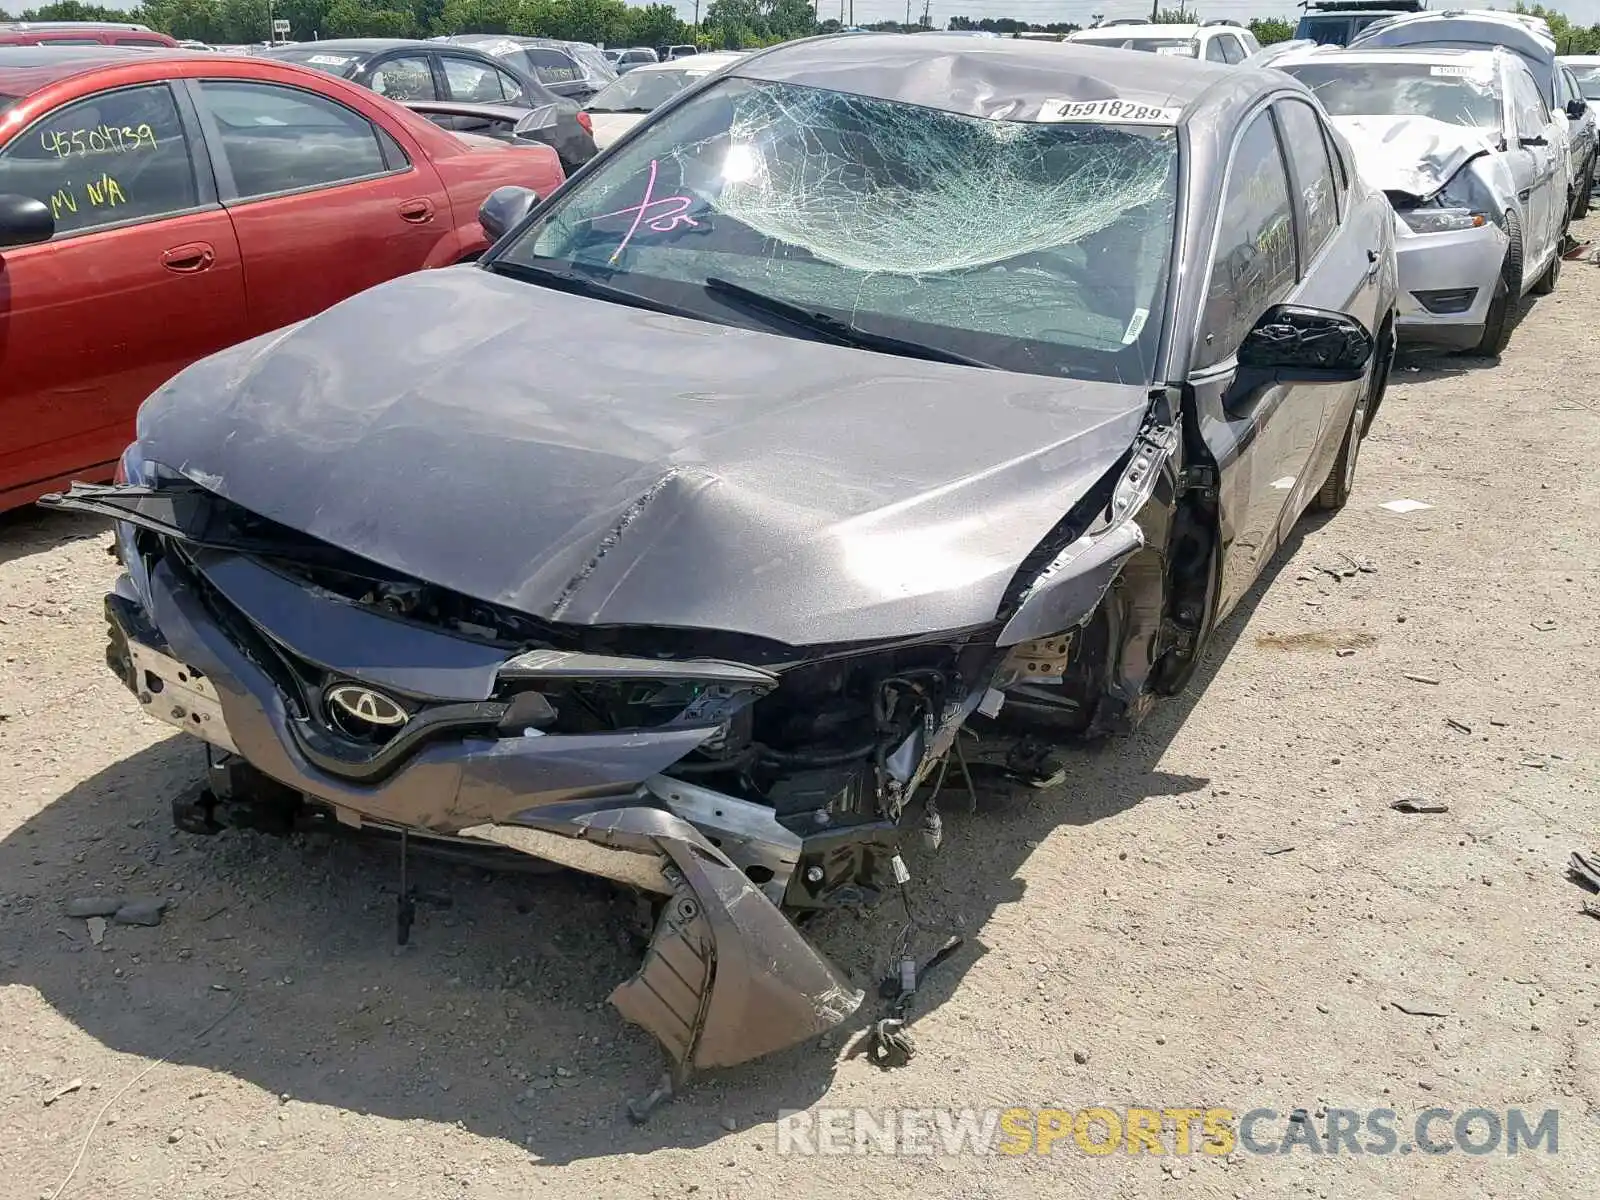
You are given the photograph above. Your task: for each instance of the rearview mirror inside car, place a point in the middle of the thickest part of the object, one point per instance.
(1292, 344)
(504, 209)
(24, 221)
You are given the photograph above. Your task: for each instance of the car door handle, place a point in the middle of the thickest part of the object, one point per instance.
(187, 259)
(418, 212)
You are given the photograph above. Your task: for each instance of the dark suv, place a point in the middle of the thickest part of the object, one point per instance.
(1336, 22)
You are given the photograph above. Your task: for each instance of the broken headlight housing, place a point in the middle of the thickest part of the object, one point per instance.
(1442, 220)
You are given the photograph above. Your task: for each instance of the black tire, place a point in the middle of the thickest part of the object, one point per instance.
(1507, 291)
(1546, 283)
(1580, 210)
(1341, 481)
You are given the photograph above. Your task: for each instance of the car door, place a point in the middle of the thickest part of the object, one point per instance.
(1258, 438)
(142, 277)
(478, 81)
(1340, 255)
(325, 202)
(402, 75)
(1544, 193)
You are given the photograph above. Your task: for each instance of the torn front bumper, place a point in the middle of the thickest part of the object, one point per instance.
(1447, 282)
(727, 977)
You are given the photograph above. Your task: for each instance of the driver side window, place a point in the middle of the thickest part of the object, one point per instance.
(1253, 266)
(1528, 106)
(119, 156)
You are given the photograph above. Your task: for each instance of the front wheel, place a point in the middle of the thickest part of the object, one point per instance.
(1497, 323)
(1546, 283)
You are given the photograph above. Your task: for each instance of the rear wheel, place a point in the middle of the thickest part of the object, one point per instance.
(1497, 324)
(1580, 210)
(1341, 481)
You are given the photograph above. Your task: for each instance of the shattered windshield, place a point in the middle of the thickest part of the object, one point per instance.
(1040, 247)
(1452, 93)
(1588, 81)
(641, 91)
(1181, 47)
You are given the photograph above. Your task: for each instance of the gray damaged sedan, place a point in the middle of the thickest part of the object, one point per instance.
(875, 388)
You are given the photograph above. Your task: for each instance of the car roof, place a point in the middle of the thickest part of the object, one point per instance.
(1111, 33)
(1467, 55)
(1005, 77)
(1522, 33)
(368, 45)
(26, 69)
(697, 63)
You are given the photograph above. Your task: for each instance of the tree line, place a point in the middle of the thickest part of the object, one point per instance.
(725, 23)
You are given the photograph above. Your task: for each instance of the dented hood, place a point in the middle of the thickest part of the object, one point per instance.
(1413, 155)
(591, 463)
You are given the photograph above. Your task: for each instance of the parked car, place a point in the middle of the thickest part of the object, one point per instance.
(1213, 41)
(639, 56)
(1335, 22)
(640, 92)
(681, 51)
(935, 447)
(1585, 69)
(1582, 135)
(567, 132)
(80, 33)
(575, 70)
(1466, 151)
(174, 203)
(460, 82)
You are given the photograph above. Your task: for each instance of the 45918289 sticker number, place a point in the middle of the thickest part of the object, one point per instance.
(1108, 112)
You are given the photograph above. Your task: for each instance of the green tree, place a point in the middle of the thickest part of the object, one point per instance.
(353, 18)
(197, 19)
(1177, 16)
(72, 10)
(477, 16)
(1271, 29)
(653, 25)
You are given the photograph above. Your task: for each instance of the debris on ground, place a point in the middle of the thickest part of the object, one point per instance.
(97, 930)
(1458, 726)
(1585, 867)
(1278, 850)
(1416, 804)
(1403, 506)
(1433, 679)
(140, 912)
(92, 906)
(64, 1090)
(1544, 626)
(1413, 1009)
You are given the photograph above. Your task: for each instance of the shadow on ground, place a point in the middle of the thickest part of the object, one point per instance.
(1420, 364)
(494, 1017)
(25, 531)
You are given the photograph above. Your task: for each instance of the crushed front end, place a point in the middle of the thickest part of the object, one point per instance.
(733, 780)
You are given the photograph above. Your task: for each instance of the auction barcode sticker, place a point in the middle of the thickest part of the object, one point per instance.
(1108, 112)
(1458, 70)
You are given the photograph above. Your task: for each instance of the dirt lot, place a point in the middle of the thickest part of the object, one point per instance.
(1220, 911)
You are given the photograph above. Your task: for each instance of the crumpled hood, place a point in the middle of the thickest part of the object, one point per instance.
(591, 463)
(1414, 155)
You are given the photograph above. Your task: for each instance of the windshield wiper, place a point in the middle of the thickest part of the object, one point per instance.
(582, 285)
(832, 327)
(619, 110)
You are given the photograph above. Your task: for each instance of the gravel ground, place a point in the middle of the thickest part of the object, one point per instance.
(1221, 911)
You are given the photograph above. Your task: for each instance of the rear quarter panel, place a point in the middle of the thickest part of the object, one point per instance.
(475, 167)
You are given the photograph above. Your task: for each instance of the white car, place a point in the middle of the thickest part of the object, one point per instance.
(634, 96)
(1215, 41)
(1472, 161)
(1585, 69)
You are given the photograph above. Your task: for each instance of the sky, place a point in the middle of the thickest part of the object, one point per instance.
(1042, 12)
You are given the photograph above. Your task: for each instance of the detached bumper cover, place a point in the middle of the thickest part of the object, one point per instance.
(727, 977)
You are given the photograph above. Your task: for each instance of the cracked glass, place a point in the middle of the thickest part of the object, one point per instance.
(1041, 247)
(1456, 95)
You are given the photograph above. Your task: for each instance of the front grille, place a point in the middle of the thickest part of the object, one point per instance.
(1445, 301)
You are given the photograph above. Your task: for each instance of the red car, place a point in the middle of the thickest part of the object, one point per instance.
(157, 206)
(80, 33)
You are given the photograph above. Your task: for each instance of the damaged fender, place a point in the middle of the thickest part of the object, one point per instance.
(726, 978)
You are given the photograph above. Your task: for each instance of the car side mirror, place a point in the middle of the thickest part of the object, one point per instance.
(1576, 109)
(504, 209)
(1533, 139)
(1292, 344)
(24, 221)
